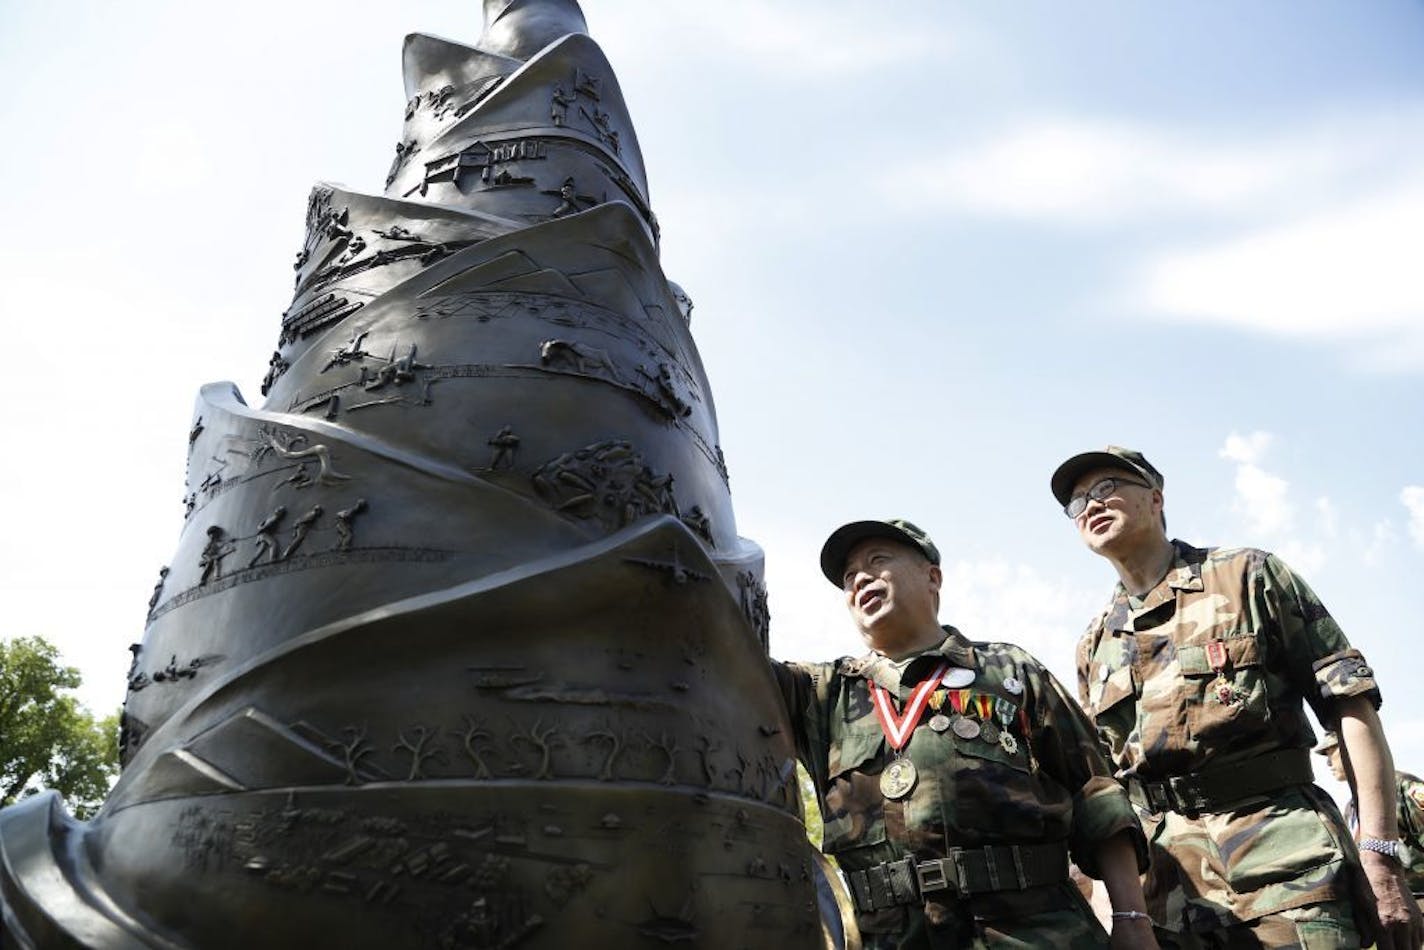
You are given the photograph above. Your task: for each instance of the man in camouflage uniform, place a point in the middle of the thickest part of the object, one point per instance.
(1195, 675)
(955, 778)
(1408, 796)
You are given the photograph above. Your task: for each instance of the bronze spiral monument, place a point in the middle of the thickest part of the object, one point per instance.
(459, 647)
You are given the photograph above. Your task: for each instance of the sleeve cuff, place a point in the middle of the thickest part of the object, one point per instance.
(1346, 674)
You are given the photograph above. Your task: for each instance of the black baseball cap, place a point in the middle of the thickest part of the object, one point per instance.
(1114, 456)
(847, 536)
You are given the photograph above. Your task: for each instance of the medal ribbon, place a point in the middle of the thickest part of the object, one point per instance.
(898, 729)
(1216, 655)
(1005, 710)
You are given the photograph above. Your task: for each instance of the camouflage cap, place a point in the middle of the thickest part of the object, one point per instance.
(847, 536)
(1114, 456)
(1327, 744)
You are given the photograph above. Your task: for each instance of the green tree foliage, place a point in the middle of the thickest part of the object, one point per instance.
(47, 739)
(809, 809)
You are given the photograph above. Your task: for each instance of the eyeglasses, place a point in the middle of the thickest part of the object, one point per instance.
(1100, 490)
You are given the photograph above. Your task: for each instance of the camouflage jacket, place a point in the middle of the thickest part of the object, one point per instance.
(1151, 674)
(1409, 791)
(1048, 783)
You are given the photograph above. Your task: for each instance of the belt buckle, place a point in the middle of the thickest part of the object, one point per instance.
(1159, 796)
(1188, 794)
(932, 876)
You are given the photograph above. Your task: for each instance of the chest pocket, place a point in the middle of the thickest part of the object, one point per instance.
(990, 790)
(994, 752)
(854, 816)
(1229, 703)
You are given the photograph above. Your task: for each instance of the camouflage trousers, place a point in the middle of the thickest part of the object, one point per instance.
(1069, 926)
(1329, 925)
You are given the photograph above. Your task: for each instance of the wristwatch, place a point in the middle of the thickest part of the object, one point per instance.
(1389, 848)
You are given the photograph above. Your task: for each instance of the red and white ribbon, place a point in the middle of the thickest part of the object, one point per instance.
(899, 728)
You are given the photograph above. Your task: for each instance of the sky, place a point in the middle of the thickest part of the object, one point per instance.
(934, 249)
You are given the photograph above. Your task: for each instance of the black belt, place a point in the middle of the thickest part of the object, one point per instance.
(1215, 789)
(964, 872)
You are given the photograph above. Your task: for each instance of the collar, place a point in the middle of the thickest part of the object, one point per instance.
(955, 648)
(1183, 575)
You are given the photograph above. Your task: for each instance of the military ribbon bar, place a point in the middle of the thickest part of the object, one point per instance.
(899, 728)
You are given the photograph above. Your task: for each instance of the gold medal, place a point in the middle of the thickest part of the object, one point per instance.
(898, 778)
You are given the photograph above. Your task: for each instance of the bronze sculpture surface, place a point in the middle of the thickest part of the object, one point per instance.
(459, 647)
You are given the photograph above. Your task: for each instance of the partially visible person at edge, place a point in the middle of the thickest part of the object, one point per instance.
(1195, 675)
(955, 778)
(1409, 814)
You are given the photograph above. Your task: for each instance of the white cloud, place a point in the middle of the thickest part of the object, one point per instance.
(1347, 273)
(1080, 172)
(1412, 497)
(1261, 498)
(796, 43)
(1324, 218)
(1247, 449)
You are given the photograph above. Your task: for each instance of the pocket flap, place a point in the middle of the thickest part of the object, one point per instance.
(1240, 651)
(1111, 691)
(1017, 760)
(856, 746)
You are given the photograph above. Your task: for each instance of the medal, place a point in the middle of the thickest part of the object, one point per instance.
(898, 778)
(957, 677)
(1013, 685)
(964, 727)
(1220, 687)
(1004, 711)
(939, 722)
(989, 733)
